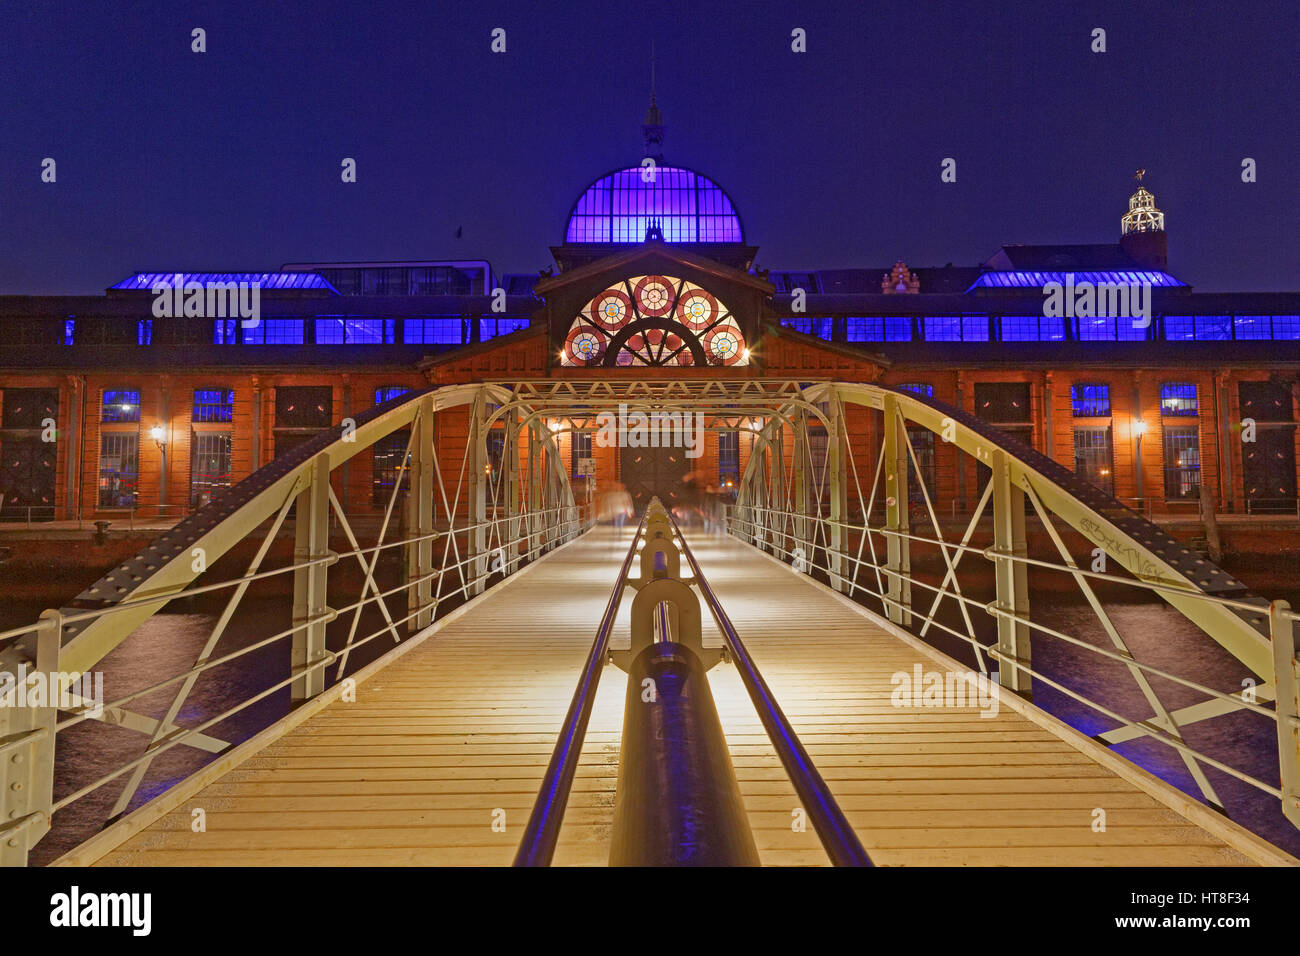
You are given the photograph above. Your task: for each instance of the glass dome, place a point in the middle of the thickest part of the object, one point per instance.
(685, 206)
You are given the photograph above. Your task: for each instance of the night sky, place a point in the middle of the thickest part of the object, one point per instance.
(230, 160)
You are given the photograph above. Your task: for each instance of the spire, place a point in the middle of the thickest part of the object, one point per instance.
(1142, 215)
(652, 130)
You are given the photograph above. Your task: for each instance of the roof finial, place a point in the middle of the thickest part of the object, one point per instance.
(1138, 176)
(1142, 215)
(652, 130)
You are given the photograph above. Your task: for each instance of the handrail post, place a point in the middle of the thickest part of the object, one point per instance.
(311, 543)
(1012, 578)
(1286, 675)
(27, 739)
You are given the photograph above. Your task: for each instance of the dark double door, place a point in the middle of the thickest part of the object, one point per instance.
(647, 472)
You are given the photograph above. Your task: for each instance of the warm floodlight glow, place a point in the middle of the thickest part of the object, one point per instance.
(156, 432)
(1139, 427)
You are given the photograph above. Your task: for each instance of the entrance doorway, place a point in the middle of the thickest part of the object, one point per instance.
(647, 472)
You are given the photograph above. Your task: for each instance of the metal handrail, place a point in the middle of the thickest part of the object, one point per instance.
(833, 829)
(1145, 728)
(537, 847)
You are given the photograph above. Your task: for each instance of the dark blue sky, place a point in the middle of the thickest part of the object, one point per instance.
(229, 160)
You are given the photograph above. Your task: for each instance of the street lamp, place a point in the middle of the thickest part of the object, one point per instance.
(157, 434)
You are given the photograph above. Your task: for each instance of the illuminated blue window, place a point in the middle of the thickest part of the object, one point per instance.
(1251, 327)
(443, 330)
(956, 328)
(389, 392)
(919, 388)
(120, 405)
(1178, 399)
(491, 328)
(1015, 279)
(1202, 328)
(890, 328)
(275, 332)
(1105, 329)
(1286, 326)
(1031, 328)
(69, 331)
(818, 326)
(1090, 401)
(223, 332)
(341, 330)
(143, 331)
(686, 207)
(214, 405)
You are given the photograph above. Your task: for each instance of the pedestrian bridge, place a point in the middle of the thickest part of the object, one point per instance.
(500, 724)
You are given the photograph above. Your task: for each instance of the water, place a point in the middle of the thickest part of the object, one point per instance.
(170, 642)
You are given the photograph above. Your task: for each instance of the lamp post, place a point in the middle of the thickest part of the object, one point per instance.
(157, 434)
(1139, 429)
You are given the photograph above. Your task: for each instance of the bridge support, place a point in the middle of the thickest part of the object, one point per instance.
(898, 549)
(1012, 578)
(511, 491)
(837, 484)
(1286, 673)
(311, 544)
(27, 739)
(476, 550)
(419, 509)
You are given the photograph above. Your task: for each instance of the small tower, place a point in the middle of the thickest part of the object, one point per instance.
(652, 131)
(1142, 229)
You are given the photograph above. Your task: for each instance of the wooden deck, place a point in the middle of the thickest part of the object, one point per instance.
(453, 734)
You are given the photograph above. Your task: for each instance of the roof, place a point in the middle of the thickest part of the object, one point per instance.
(146, 281)
(620, 207)
(1037, 280)
(1079, 257)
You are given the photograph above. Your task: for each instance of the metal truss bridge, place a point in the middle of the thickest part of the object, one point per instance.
(482, 672)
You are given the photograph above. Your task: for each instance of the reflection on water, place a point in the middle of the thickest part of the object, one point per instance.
(169, 643)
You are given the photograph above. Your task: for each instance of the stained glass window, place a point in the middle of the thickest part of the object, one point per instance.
(654, 320)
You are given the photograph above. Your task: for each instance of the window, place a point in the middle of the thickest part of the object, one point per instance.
(389, 463)
(69, 331)
(1178, 399)
(891, 328)
(209, 466)
(1109, 329)
(213, 405)
(491, 328)
(274, 332)
(223, 332)
(1202, 328)
(1182, 461)
(144, 332)
(120, 406)
(1249, 327)
(1090, 401)
(922, 440)
(956, 328)
(119, 469)
(1031, 328)
(1000, 402)
(389, 392)
(579, 449)
(1093, 458)
(439, 330)
(820, 327)
(919, 388)
(728, 460)
(344, 330)
(1286, 326)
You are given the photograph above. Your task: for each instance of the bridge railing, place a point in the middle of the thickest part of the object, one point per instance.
(832, 487)
(453, 536)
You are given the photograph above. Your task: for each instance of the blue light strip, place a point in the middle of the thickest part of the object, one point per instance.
(1015, 279)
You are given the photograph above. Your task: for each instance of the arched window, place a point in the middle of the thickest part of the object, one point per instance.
(654, 320)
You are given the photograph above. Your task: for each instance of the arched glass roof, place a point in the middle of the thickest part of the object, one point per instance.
(686, 206)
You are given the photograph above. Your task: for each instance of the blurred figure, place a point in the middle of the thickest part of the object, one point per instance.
(615, 506)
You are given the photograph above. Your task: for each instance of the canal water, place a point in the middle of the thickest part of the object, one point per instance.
(169, 642)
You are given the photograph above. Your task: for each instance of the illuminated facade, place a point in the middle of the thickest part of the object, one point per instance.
(654, 277)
